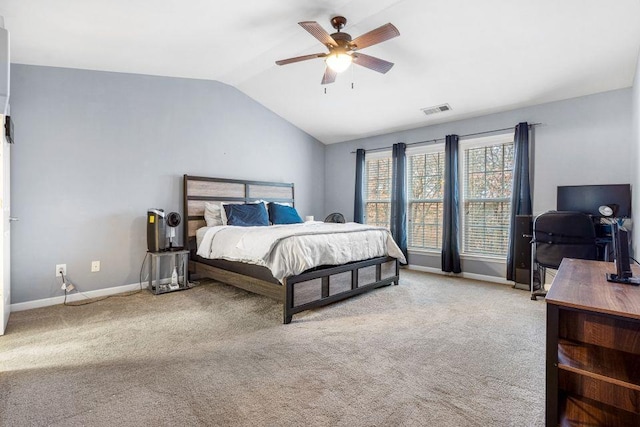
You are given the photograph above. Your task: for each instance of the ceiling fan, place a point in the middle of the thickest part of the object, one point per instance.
(343, 50)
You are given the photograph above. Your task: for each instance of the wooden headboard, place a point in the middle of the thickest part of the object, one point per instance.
(198, 190)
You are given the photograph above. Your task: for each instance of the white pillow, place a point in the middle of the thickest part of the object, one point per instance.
(214, 214)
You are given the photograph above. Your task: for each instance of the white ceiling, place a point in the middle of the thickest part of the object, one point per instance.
(478, 56)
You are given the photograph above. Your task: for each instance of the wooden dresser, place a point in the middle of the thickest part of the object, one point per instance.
(593, 348)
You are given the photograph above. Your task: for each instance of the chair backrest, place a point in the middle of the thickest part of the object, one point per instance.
(561, 234)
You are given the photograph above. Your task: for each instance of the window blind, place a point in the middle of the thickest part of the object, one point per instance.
(487, 176)
(426, 191)
(378, 191)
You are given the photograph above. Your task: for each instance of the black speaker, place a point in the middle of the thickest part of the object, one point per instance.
(522, 255)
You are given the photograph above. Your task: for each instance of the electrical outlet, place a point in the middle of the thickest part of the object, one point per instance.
(61, 269)
(95, 266)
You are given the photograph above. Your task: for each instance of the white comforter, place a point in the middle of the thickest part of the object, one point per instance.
(288, 250)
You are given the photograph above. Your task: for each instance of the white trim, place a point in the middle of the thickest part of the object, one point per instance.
(485, 278)
(473, 142)
(425, 149)
(483, 258)
(424, 251)
(377, 155)
(79, 296)
(437, 253)
(472, 276)
(470, 257)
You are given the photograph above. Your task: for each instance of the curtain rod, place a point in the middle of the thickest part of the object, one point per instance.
(433, 141)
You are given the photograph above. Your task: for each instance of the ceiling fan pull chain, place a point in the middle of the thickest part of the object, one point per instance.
(352, 79)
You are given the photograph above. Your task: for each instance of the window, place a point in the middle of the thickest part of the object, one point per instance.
(425, 197)
(377, 197)
(487, 165)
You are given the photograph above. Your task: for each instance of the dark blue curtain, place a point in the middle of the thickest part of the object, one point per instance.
(450, 233)
(521, 192)
(358, 207)
(399, 196)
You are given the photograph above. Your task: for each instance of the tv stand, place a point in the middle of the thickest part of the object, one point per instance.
(593, 348)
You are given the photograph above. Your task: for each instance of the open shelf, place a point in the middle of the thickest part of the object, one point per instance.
(605, 364)
(606, 375)
(601, 330)
(581, 411)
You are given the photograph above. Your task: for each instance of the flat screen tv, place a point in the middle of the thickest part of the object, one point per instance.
(588, 198)
(623, 273)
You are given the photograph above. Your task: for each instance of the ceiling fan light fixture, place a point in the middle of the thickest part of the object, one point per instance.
(339, 62)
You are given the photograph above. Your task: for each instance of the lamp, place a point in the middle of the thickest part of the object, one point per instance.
(608, 210)
(339, 61)
(609, 213)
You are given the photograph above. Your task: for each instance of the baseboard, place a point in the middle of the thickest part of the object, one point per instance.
(473, 276)
(75, 296)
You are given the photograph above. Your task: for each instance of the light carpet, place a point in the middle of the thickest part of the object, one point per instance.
(433, 351)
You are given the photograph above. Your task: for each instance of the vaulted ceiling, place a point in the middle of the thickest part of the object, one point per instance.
(478, 56)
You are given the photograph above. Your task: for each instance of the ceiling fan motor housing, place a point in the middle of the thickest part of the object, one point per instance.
(341, 38)
(338, 22)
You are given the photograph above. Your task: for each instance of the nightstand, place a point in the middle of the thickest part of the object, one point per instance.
(174, 259)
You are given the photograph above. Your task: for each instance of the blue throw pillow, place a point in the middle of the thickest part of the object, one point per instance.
(281, 214)
(247, 215)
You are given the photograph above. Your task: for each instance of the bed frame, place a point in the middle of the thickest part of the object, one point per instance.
(310, 289)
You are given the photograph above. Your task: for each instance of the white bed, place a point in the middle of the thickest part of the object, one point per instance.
(303, 269)
(288, 250)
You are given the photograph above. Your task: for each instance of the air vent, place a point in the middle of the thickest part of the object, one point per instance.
(437, 109)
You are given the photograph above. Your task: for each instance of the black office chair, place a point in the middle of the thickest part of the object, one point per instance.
(558, 235)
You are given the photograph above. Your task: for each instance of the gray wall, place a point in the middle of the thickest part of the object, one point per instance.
(572, 146)
(635, 158)
(94, 150)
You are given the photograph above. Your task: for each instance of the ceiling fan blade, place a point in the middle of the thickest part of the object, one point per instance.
(371, 62)
(380, 34)
(329, 76)
(318, 32)
(300, 58)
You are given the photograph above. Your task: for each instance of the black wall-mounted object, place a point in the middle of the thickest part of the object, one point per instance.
(588, 198)
(8, 129)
